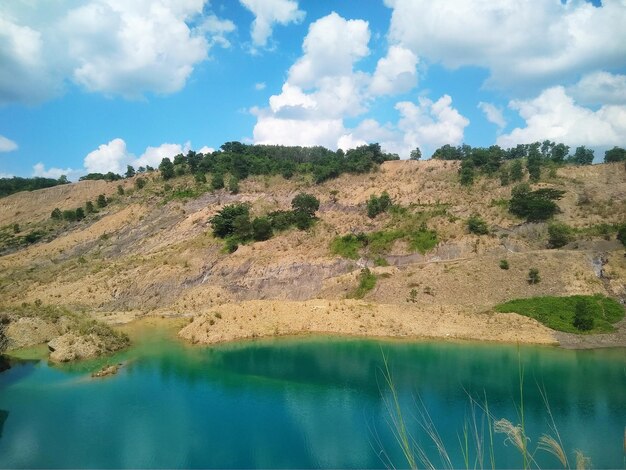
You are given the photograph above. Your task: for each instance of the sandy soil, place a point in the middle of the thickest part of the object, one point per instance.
(255, 319)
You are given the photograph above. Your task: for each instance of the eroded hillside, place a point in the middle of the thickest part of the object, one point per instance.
(151, 250)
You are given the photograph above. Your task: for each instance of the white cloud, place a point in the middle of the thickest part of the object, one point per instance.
(5, 175)
(554, 115)
(206, 150)
(153, 155)
(331, 48)
(600, 88)
(259, 86)
(323, 89)
(7, 145)
(109, 46)
(523, 44)
(430, 124)
(270, 12)
(493, 114)
(395, 73)
(39, 169)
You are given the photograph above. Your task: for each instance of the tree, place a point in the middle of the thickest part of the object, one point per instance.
(199, 178)
(101, 201)
(583, 317)
(63, 179)
(69, 215)
(616, 154)
(559, 153)
(242, 228)
(377, 205)
(533, 276)
(306, 204)
(533, 164)
(534, 205)
(475, 224)
(223, 221)
(261, 229)
(233, 184)
(517, 171)
(89, 207)
(140, 183)
(466, 172)
(166, 167)
(582, 156)
(416, 154)
(56, 214)
(130, 171)
(505, 176)
(558, 235)
(217, 181)
(80, 213)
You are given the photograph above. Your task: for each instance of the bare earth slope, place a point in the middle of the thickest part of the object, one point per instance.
(149, 252)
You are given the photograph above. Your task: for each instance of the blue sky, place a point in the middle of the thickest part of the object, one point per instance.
(94, 85)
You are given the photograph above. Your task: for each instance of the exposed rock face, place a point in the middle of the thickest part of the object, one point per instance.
(70, 347)
(107, 371)
(30, 331)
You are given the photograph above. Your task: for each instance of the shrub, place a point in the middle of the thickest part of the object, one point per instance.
(69, 215)
(347, 246)
(306, 203)
(80, 213)
(217, 181)
(231, 245)
(281, 220)
(89, 207)
(56, 214)
(583, 318)
(223, 221)
(120, 190)
(377, 205)
(533, 276)
(412, 296)
(140, 183)
(199, 178)
(558, 235)
(166, 167)
(367, 281)
(261, 229)
(504, 264)
(517, 170)
(466, 172)
(101, 201)
(233, 185)
(534, 205)
(475, 224)
(621, 234)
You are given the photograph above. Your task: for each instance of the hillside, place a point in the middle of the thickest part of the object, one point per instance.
(151, 251)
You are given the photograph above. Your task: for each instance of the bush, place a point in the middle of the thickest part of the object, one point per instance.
(80, 213)
(583, 318)
(558, 235)
(305, 203)
(233, 185)
(367, 281)
(261, 229)
(517, 170)
(231, 245)
(217, 181)
(140, 183)
(120, 190)
(534, 205)
(347, 246)
(223, 221)
(89, 207)
(378, 205)
(69, 215)
(101, 201)
(56, 214)
(533, 276)
(166, 167)
(199, 178)
(475, 224)
(621, 234)
(504, 264)
(281, 220)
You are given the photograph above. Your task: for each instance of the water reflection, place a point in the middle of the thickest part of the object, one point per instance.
(314, 402)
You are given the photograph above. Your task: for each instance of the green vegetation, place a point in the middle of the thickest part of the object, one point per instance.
(348, 246)
(621, 234)
(616, 154)
(166, 167)
(534, 205)
(110, 176)
(16, 184)
(101, 201)
(233, 221)
(533, 276)
(367, 281)
(377, 205)
(504, 264)
(559, 235)
(559, 313)
(475, 224)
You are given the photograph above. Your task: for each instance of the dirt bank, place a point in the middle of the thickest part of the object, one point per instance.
(255, 319)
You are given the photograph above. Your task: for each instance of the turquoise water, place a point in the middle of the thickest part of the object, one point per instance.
(313, 402)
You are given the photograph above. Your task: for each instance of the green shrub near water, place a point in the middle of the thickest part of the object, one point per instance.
(367, 281)
(559, 313)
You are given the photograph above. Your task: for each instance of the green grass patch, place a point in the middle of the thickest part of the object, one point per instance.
(367, 281)
(558, 312)
(347, 246)
(183, 194)
(423, 240)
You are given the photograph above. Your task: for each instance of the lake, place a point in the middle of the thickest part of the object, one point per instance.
(306, 402)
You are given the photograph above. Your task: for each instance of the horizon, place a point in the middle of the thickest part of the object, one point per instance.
(98, 86)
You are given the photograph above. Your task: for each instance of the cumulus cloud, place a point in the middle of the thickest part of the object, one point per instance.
(395, 73)
(324, 88)
(431, 124)
(109, 46)
(523, 44)
(493, 114)
(7, 145)
(554, 115)
(40, 170)
(600, 88)
(206, 150)
(270, 12)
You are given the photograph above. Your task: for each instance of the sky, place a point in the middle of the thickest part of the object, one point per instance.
(95, 85)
